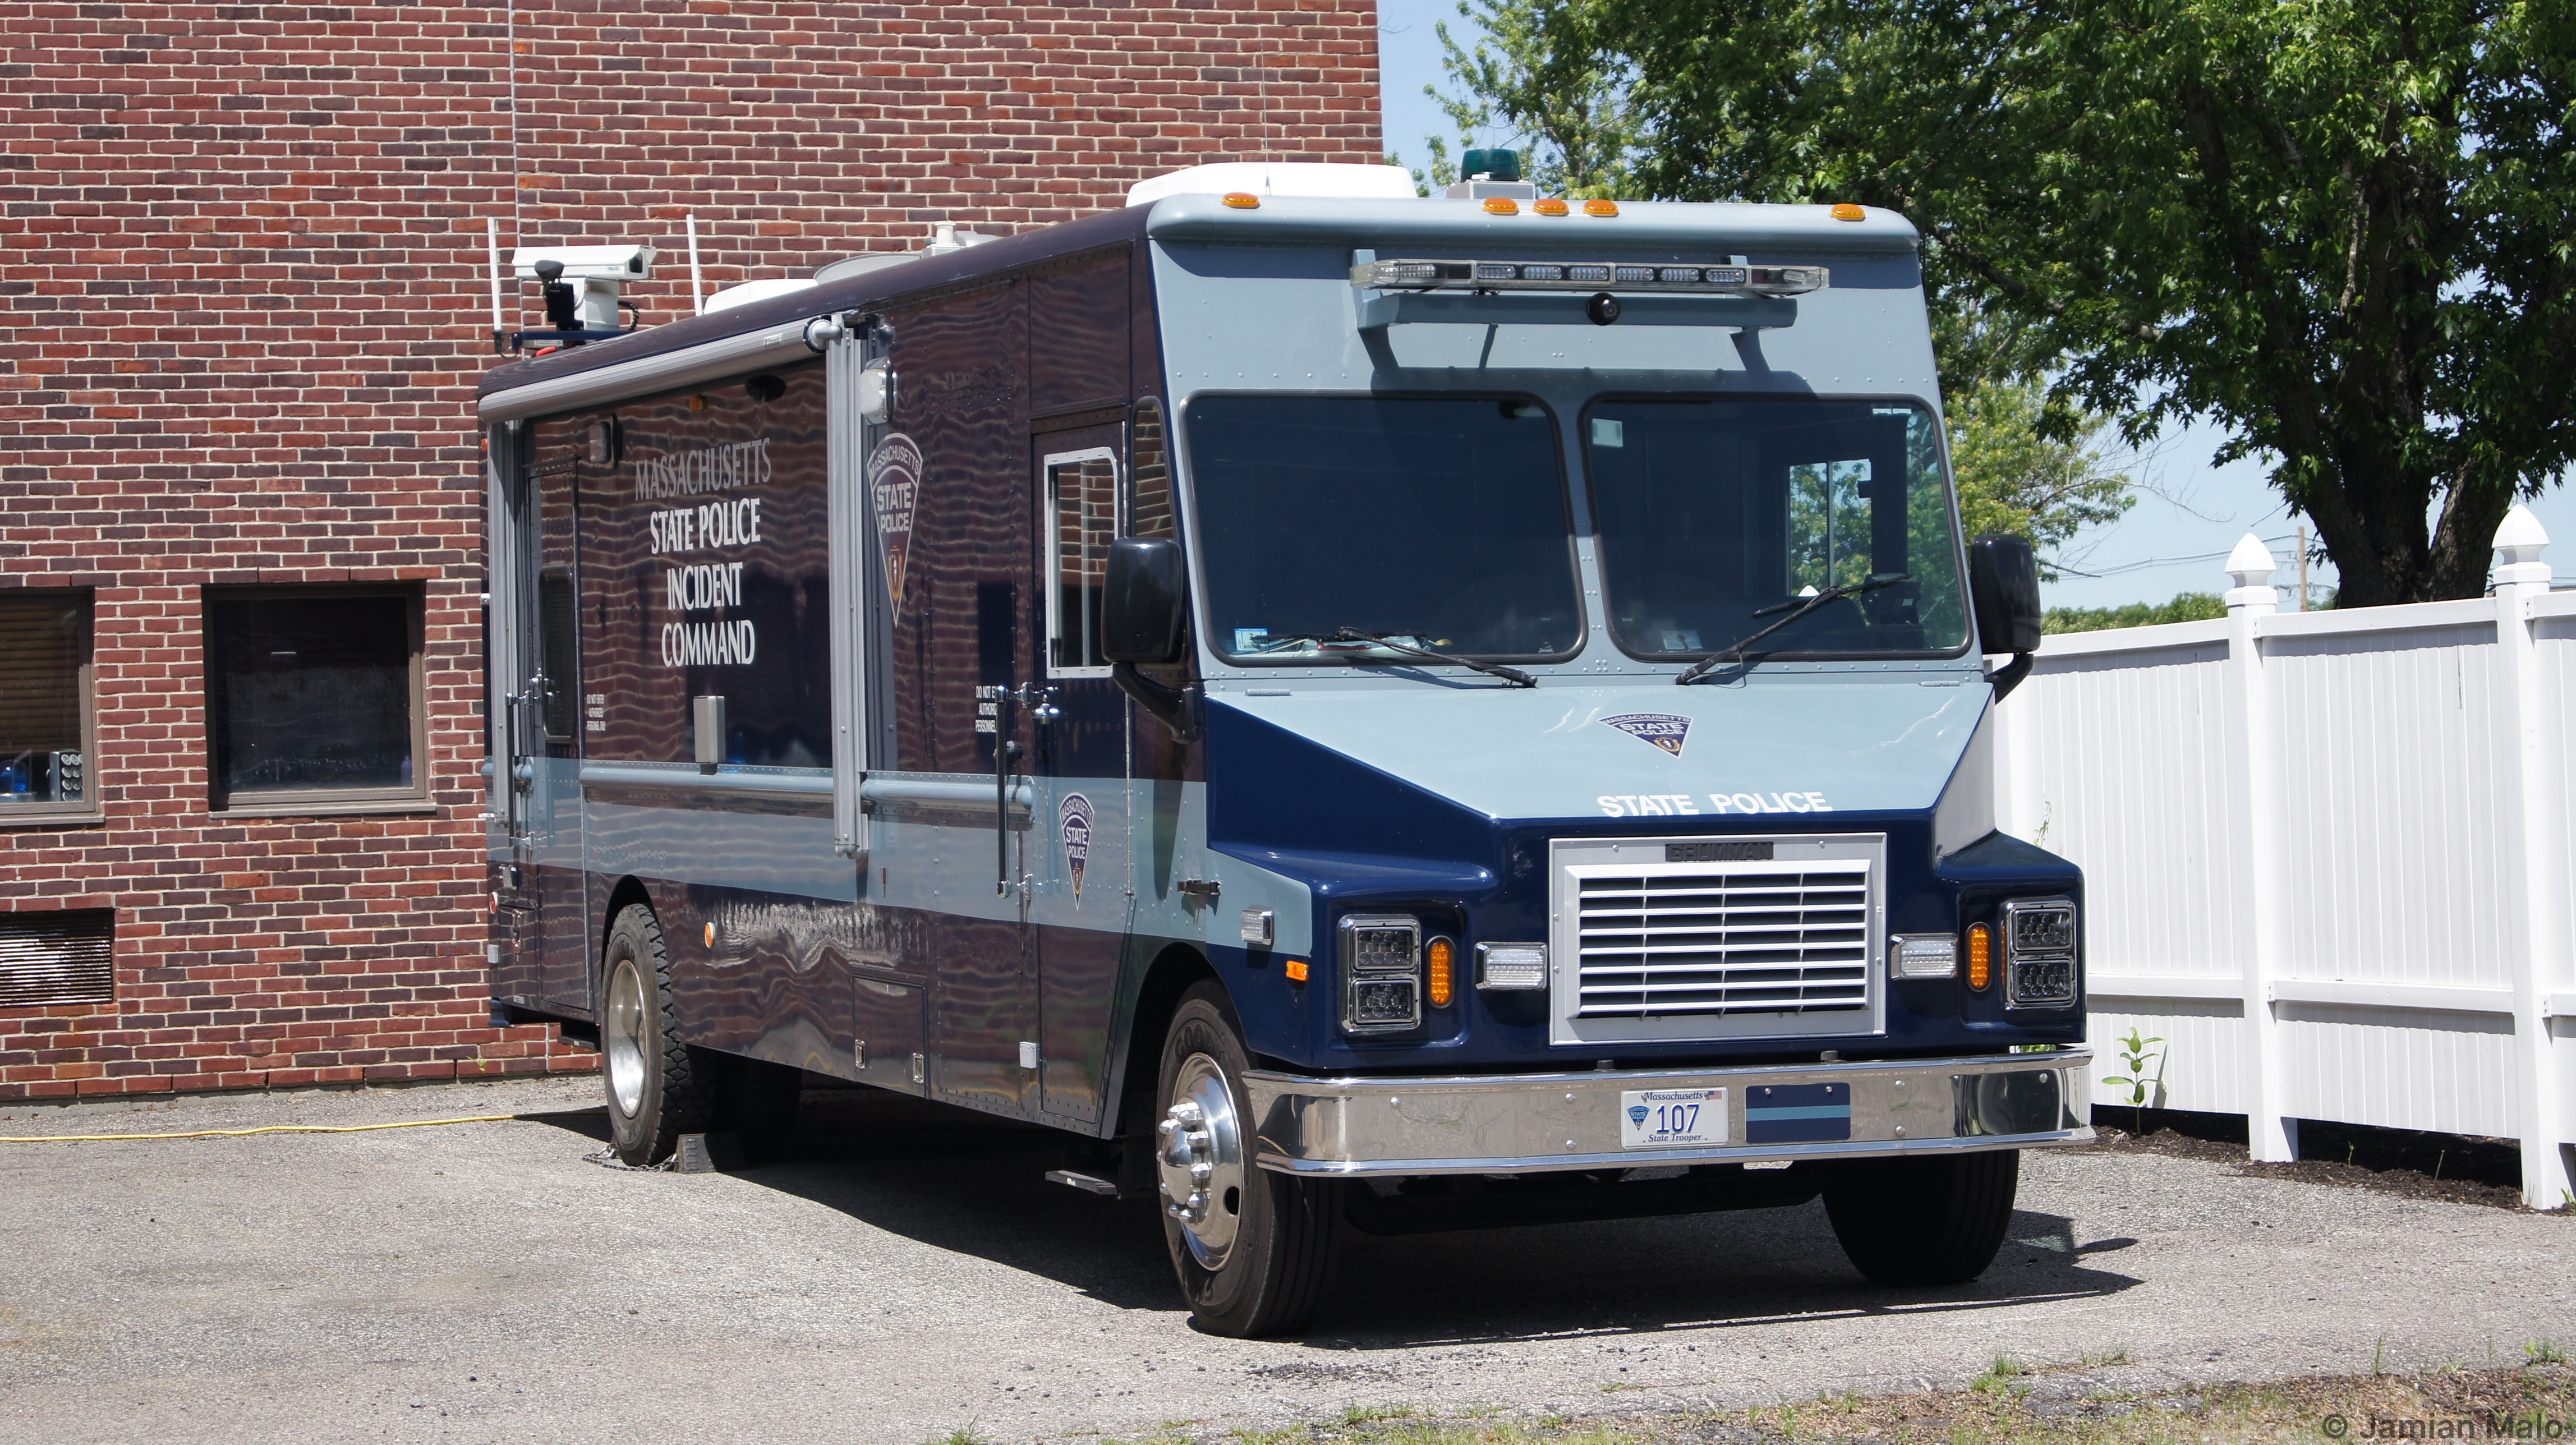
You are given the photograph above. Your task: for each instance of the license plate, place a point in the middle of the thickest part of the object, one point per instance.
(1671, 1118)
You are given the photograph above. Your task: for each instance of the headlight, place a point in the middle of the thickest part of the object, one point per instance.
(1381, 973)
(2039, 953)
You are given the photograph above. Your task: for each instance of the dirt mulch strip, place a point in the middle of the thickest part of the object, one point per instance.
(2018, 1404)
(2413, 1165)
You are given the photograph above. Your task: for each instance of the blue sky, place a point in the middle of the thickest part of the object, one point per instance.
(2188, 513)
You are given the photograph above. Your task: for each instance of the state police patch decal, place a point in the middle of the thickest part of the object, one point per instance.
(1073, 830)
(1665, 730)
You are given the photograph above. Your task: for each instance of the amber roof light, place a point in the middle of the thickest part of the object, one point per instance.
(1597, 207)
(1243, 200)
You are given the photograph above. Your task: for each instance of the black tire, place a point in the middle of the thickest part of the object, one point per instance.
(1286, 1230)
(1924, 1221)
(658, 1088)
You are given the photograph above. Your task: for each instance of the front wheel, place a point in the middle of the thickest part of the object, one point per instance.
(1926, 1220)
(1253, 1249)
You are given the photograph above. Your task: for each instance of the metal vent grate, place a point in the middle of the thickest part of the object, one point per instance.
(1757, 938)
(65, 957)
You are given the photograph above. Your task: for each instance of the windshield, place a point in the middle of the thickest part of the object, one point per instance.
(1440, 523)
(1710, 512)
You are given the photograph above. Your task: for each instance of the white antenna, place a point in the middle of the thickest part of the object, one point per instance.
(697, 278)
(492, 240)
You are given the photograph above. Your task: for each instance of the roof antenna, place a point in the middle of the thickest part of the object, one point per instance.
(697, 278)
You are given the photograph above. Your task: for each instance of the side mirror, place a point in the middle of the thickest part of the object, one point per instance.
(1147, 607)
(2003, 588)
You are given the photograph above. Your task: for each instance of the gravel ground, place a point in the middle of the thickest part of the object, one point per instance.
(910, 1274)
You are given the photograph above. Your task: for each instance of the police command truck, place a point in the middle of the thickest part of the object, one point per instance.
(1365, 712)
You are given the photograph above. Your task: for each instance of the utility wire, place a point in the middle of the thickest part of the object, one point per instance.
(2164, 561)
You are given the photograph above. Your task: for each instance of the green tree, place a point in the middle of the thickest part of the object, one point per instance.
(2185, 607)
(2014, 478)
(2344, 231)
(2026, 460)
(1538, 77)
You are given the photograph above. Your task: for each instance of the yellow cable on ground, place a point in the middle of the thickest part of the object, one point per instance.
(238, 1133)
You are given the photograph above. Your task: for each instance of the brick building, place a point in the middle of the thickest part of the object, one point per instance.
(242, 260)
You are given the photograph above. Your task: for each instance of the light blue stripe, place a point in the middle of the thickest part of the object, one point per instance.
(1821, 1111)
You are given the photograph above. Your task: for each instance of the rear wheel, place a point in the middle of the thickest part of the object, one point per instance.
(1253, 1249)
(658, 1087)
(1924, 1221)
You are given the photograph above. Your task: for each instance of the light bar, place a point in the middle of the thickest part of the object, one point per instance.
(1427, 275)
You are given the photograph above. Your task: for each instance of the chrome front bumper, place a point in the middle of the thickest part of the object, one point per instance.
(1529, 1123)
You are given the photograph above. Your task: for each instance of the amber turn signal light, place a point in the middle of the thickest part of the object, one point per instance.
(1442, 956)
(1243, 200)
(1600, 208)
(1981, 956)
(1550, 207)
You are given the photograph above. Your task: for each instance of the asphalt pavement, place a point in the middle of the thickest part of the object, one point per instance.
(910, 1273)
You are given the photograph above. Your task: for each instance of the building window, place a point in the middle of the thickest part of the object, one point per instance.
(314, 699)
(45, 704)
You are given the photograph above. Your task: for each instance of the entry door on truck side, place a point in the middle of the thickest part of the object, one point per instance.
(963, 589)
(549, 733)
(1079, 861)
(1081, 330)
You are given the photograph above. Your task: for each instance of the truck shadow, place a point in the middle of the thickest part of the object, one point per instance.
(973, 1184)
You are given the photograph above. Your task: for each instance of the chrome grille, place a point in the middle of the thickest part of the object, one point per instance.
(1669, 941)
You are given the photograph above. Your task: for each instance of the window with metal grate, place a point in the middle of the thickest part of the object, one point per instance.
(57, 957)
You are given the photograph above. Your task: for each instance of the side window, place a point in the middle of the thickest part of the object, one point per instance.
(969, 616)
(704, 572)
(558, 626)
(45, 707)
(313, 699)
(1082, 520)
(1149, 496)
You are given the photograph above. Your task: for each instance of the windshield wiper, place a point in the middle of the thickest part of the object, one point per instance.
(1796, 609)
(1512, 675)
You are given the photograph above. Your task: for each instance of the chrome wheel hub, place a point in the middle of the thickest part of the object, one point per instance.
(624, 1036)
(1198, 1154)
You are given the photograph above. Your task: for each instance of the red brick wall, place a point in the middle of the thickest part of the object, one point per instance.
(241, 255)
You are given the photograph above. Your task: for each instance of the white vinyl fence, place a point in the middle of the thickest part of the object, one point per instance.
(2326, 855)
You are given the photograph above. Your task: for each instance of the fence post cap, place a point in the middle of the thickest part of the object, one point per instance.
(2520, 538)
(2252, 563)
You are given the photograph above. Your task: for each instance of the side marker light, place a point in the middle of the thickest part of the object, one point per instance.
(711, 935)
(1551, 207)
(1600, 208)
(1501, 206)
(1846, 211)
(1243, 200)
(1981, 956)
(1296, 970)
